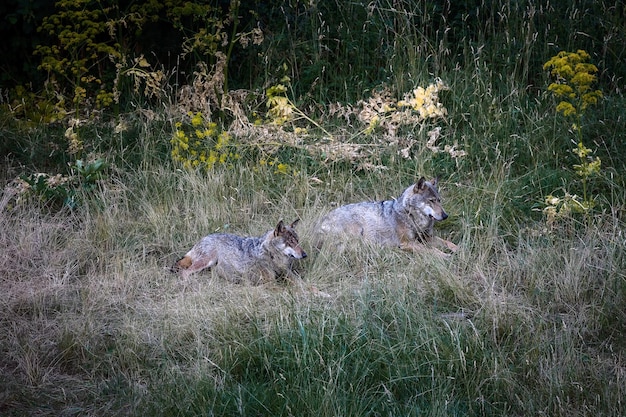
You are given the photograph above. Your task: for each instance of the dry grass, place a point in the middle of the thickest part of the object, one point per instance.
(93, 323)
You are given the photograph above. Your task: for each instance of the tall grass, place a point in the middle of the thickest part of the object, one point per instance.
(94, 324)
(526, 319)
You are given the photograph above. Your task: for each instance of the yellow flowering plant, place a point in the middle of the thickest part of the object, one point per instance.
(573, 80)
(279, 108)
(202, 144)
(277, 166)
(415, 109)
(282, 111)
(425, 101)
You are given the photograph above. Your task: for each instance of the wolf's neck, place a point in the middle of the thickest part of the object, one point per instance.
(418, 220)
(400, 206)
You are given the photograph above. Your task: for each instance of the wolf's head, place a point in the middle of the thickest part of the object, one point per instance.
(422, 199)
(285, 240)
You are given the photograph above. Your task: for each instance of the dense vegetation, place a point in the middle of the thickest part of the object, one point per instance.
(130, 130)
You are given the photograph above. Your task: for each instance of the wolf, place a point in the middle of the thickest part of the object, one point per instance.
(257, 259)
(405, 222)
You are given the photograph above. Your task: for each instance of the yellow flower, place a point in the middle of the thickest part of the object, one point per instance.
(203, 147)
(212, 158)
(275, 90)
(181, 136)
(282, 168)
(582, 78)
(591, 98)
(75, 145)
(387, 108)
(594, 166)
(425, 101)
(582, 54)
(565, 108)
(197, 120)
(560, 90)
(372, 125)
(582, 151)
(552, 200)
(574, 80)
(587, 169)
(280, 109)
(222, 140)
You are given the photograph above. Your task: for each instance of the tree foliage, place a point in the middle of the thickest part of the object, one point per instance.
(326, 44)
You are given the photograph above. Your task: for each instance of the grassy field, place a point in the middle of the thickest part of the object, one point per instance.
(94, 324)
(527, 318)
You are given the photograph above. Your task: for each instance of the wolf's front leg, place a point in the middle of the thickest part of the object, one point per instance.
(416, 247)
(445, 244)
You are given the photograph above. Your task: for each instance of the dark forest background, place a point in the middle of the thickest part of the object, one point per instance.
(334, 49)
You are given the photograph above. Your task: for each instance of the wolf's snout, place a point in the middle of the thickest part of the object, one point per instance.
(438, 216)
(301, 254)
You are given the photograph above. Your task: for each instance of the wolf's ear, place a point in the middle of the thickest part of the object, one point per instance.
(295, 222)
(434, 182)
(420, 185)
(280, 228)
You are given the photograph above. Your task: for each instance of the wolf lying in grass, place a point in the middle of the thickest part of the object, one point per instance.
(256, 259)
(405, 222)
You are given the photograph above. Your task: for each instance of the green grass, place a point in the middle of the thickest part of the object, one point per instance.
(93, 323)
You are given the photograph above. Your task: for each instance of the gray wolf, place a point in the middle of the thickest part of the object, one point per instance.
(405, 222)
(257, 259)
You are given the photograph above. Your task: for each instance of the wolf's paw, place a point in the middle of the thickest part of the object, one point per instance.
(316, 292)
(451, 246)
